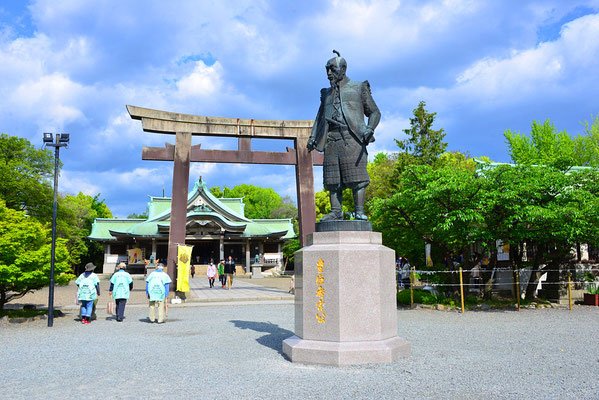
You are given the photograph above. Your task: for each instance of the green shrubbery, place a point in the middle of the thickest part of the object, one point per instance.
(420, 297)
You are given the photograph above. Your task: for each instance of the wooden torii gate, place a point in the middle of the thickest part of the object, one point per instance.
(183, 126)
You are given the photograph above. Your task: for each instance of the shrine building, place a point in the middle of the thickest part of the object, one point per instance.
(216, 228)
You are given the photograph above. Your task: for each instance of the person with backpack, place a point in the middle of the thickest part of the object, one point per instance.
(157, 287)
(88, 290)
(121, 285)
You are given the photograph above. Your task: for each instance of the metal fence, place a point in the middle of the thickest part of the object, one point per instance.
(497, 279)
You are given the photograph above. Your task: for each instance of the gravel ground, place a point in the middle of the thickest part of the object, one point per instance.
(233, 351)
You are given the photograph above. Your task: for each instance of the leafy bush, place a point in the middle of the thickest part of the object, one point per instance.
(420, 297)
(471, 299)
(592, 288)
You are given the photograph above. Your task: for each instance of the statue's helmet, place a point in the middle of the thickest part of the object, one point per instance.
(338, 62)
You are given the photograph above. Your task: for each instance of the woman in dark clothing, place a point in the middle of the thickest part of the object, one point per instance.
(229, 271)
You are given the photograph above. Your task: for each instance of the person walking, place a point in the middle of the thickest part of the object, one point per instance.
(222, 278)
(229, 271)
(192, 270)
(211, 273)
(88, 290)
(157, 287)
(121, 285)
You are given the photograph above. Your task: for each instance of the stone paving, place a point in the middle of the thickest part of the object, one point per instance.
(241, 290)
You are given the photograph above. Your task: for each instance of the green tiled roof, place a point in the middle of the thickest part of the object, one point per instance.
(201, 205)
(235, 204)
(102, 226)
(158, 205)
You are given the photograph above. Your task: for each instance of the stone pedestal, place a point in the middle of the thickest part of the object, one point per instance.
(345, 301)
(257, 271)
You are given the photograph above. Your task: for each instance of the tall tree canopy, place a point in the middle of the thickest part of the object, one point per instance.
(439, 206)
(259, 202)
(75, 217)
(25, 177)
(425, 195)
(546, 146)
(423, 142)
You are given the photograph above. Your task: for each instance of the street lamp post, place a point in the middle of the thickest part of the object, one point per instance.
(62, 140)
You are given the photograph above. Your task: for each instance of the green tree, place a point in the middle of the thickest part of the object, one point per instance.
(25, 255)
(287, 209)
(423, 142)
(289, 249)
(440, 206)
(25, 174)
(382, 174)
(143, 215)
(322, 204)
(322, 201)
(588, 147)
(543, 210)
(75, 217)
(546, 146)
(259, 202)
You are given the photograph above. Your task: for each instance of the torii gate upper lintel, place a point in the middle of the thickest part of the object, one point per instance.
(183, 126)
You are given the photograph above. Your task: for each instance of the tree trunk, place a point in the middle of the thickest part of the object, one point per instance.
(535, 275)
(2, 299)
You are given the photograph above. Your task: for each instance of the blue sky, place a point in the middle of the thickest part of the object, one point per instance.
(483, 66)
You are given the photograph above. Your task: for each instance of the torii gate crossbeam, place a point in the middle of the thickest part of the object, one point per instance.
(183, 126)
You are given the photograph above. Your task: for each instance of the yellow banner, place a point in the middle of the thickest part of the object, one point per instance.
(427, 252)
(183, 264)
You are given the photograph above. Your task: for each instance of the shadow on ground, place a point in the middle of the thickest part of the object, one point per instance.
(274, 333)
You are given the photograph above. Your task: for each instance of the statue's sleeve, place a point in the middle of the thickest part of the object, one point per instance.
(371, 110)
(318, 129)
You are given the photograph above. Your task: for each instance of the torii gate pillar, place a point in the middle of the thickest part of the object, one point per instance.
(179, 200)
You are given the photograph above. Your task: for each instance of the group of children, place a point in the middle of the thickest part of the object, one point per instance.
(224, 272)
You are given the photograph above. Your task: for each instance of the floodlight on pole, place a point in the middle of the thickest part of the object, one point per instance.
(62, 140)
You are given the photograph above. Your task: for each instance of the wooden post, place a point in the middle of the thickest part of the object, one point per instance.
(176, 234)
(518, 289)
(462, 289)
(304, 180)
(412, 286)
(570, 291)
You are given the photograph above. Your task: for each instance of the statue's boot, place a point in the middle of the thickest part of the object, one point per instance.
(359, 196)
(335, 213)
(332, 216)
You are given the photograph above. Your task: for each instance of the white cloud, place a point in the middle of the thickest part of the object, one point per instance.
(139, 176)
(382, 31)
(205, 170)
(203, 81)
(51, 99)
(74, 182)
(391, 127)
(535, 72)
(471, 61)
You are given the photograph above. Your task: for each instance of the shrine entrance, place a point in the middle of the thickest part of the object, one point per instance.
(183, 126)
